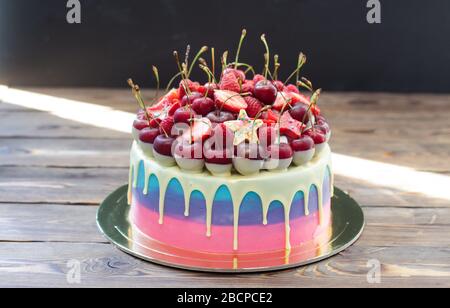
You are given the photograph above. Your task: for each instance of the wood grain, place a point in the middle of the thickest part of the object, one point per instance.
(51, 168)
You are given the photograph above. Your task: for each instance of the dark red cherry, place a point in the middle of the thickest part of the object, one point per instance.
(218, 156)
(300, 112)
(140, 124)
(266, 92)
(188, 150)
(163, 145)
(188, 99)
(148, 134)
(317, 135)
(280, 151)
(203, 105)
(183, 115)
(220, 116)
(304, 143)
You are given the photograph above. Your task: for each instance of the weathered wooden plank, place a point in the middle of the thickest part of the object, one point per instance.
(65, 152)
(49, 222)
(43, 264)
(59, 185)
(44, 125)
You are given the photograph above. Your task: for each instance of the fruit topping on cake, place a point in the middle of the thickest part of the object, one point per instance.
(235, 121)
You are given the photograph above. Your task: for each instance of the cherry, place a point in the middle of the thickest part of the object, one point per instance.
(218, 156)
(323, 127)
(222, 136)
(140, 124)
(220, 116)
(317, 135)
(280, 151)
(251, 151)
(210, 88)
(148, 135)
(188, 99)
(203, 105)
(266, 92)
(183, 115)
(267, 135)
(163, 145)
(304, 143)
(300, 112)
(188, 150)
(238, 73)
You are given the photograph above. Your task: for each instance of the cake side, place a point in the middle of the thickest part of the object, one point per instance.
(224, 214)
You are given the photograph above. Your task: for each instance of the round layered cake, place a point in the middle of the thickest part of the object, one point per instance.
(237, 166)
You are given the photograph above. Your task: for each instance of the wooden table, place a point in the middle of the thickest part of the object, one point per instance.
(54, 173)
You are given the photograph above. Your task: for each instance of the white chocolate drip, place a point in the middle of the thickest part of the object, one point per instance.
(269, 186)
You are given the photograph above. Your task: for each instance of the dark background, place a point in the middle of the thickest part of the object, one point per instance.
(408, 52)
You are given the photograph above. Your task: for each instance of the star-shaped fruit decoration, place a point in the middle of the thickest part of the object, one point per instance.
(244, 128)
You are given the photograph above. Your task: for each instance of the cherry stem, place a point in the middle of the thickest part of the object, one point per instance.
(156, 73)
(186, 56)
(244, 34)
(276, 67)
(213, 62)
(203, 66)
(305, 83)
(197, 56)
(208, 73)
(301, 62)
(224, 60)
(248, 66)
(313, 102)
(301, 58)
(172, 81)
(267, 56)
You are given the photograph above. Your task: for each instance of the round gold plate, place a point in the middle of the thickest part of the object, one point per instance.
(347, 226)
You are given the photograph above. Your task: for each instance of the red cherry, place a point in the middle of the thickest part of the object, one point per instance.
(163, 145)
(176, 105)
(218, 156)
(148, 135)
(203, 105)
(222, 136)
(252, 151)
(300, 113)
(188, 150)
(183, 115)
(220, 116)
(323, 127)
(188, 99)
(265, 91)
(304, 143)
(267, 135)
(140, 124)
(317, 135)
(208, 88)
(280, 151)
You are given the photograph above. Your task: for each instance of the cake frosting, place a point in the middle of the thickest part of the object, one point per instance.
(234, 166)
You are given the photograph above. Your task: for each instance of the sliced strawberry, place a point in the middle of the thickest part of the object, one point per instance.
(289, 126)
(188, 84)
(282, 100)
(229, 100)
(230, 82)
(201, 130)
(176, 104)
(270, 117)
(298, 98)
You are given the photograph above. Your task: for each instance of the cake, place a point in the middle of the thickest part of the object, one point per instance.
(239, 165)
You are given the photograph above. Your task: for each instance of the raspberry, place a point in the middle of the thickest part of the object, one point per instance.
(230, 82)
(254, 106)
(165, 127)
(248, 87)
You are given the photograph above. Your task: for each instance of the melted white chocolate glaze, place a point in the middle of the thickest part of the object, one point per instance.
(270, 186)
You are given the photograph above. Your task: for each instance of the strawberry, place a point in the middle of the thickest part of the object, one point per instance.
(254, 106)
(291, 88)
(229, 100)
(258, 78)
(230, 82)
(176, 104)
(248, 86)
(270, 117)
(192, 86)
(290, 127)
(165, 127)
(297, 97)
(200, 130)
(282, 100)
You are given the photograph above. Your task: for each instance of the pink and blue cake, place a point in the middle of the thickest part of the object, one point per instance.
(234, 166)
